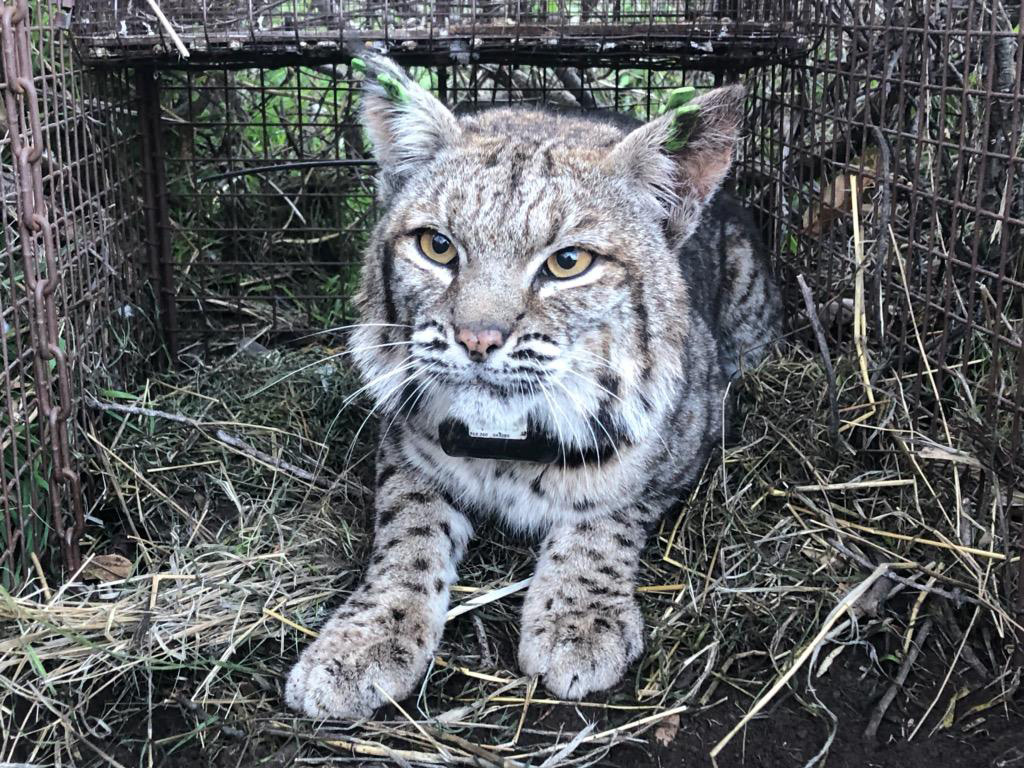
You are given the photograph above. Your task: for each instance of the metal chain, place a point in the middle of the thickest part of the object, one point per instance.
(38, 248)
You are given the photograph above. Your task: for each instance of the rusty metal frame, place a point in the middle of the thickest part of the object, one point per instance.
(41, 274)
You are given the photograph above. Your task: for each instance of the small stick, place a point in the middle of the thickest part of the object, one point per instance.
(488, 597)
(266, 458)
(531, 688)
(470, 673)
(474, 749)
(225, 437)
(611, 732)
(901, 677)
(481, 638)
(440, 749)
(826, 358)
(956, 597)
(166, 24)
(288, 622)
(42, 576)
(860, 325)
(850, 486)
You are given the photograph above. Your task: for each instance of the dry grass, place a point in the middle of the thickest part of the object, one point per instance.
(247, 509)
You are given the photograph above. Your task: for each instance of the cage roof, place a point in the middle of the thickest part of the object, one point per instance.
(697, 33)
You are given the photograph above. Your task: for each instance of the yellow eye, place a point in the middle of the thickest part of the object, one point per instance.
(436, 247)
(568, 262)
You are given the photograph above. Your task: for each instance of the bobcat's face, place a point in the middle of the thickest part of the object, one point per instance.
(525, 263)
(525, 272)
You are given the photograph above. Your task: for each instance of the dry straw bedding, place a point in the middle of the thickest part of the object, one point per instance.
(236, 492)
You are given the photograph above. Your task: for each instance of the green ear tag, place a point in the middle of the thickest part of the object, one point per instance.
(680, 96)
(357, 65)
(681, 126)
(394, 88)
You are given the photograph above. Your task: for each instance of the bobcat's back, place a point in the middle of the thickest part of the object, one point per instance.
(725, 266)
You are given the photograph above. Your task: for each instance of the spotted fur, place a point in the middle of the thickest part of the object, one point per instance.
(624, 367)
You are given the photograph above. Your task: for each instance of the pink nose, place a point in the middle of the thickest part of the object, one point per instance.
(479, 341)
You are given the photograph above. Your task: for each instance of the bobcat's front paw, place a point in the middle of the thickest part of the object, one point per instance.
(579, 651)
(345, 673)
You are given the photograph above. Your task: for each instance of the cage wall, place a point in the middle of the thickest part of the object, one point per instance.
(583, 32)
(914, 110)
(240, 181)
(156, 172)
(889, 171)
(68, 287)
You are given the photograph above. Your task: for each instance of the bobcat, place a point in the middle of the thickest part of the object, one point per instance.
(552, 306)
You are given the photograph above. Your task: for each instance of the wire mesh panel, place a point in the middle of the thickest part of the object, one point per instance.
(269, 195)
(890, 166)
(720, 31)
(870, 492)
(66, 283)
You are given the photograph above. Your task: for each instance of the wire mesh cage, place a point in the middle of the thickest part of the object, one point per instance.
(203, 183)
(585, 31)
(907, 122)
(68, 288)
(255, 180)
(271, 172)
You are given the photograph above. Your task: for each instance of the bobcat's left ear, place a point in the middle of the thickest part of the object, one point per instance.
(405, 123)
(682, 157)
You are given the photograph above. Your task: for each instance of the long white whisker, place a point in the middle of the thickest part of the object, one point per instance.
(583, 411)
(594, 383)
(416, 393)
(323, 360)
(376, 406)
(554, 415)
(611, 441)
(402, 367)
(597, 358)
(352, 326)
(600, 360)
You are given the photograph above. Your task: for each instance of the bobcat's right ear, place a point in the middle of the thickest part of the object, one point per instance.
(406, 124)
(681, 158)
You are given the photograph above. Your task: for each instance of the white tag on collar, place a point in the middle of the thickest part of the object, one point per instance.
(497, 425)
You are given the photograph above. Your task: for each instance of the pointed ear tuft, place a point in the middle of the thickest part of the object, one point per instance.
(406, 125)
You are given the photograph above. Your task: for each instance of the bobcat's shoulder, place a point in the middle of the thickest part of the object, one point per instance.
(725, 266)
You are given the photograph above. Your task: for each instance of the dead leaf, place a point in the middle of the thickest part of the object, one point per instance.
(667, 730)
(108, 568)
(833, 203)
(950, 715)
(941, 453)
(836, 200)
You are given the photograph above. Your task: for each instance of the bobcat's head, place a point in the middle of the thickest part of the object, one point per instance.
(526, 260)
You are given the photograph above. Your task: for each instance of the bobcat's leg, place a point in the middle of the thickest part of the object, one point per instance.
(382, 639)
(581, 625)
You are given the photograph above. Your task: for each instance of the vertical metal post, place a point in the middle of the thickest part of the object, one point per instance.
(154, 183)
